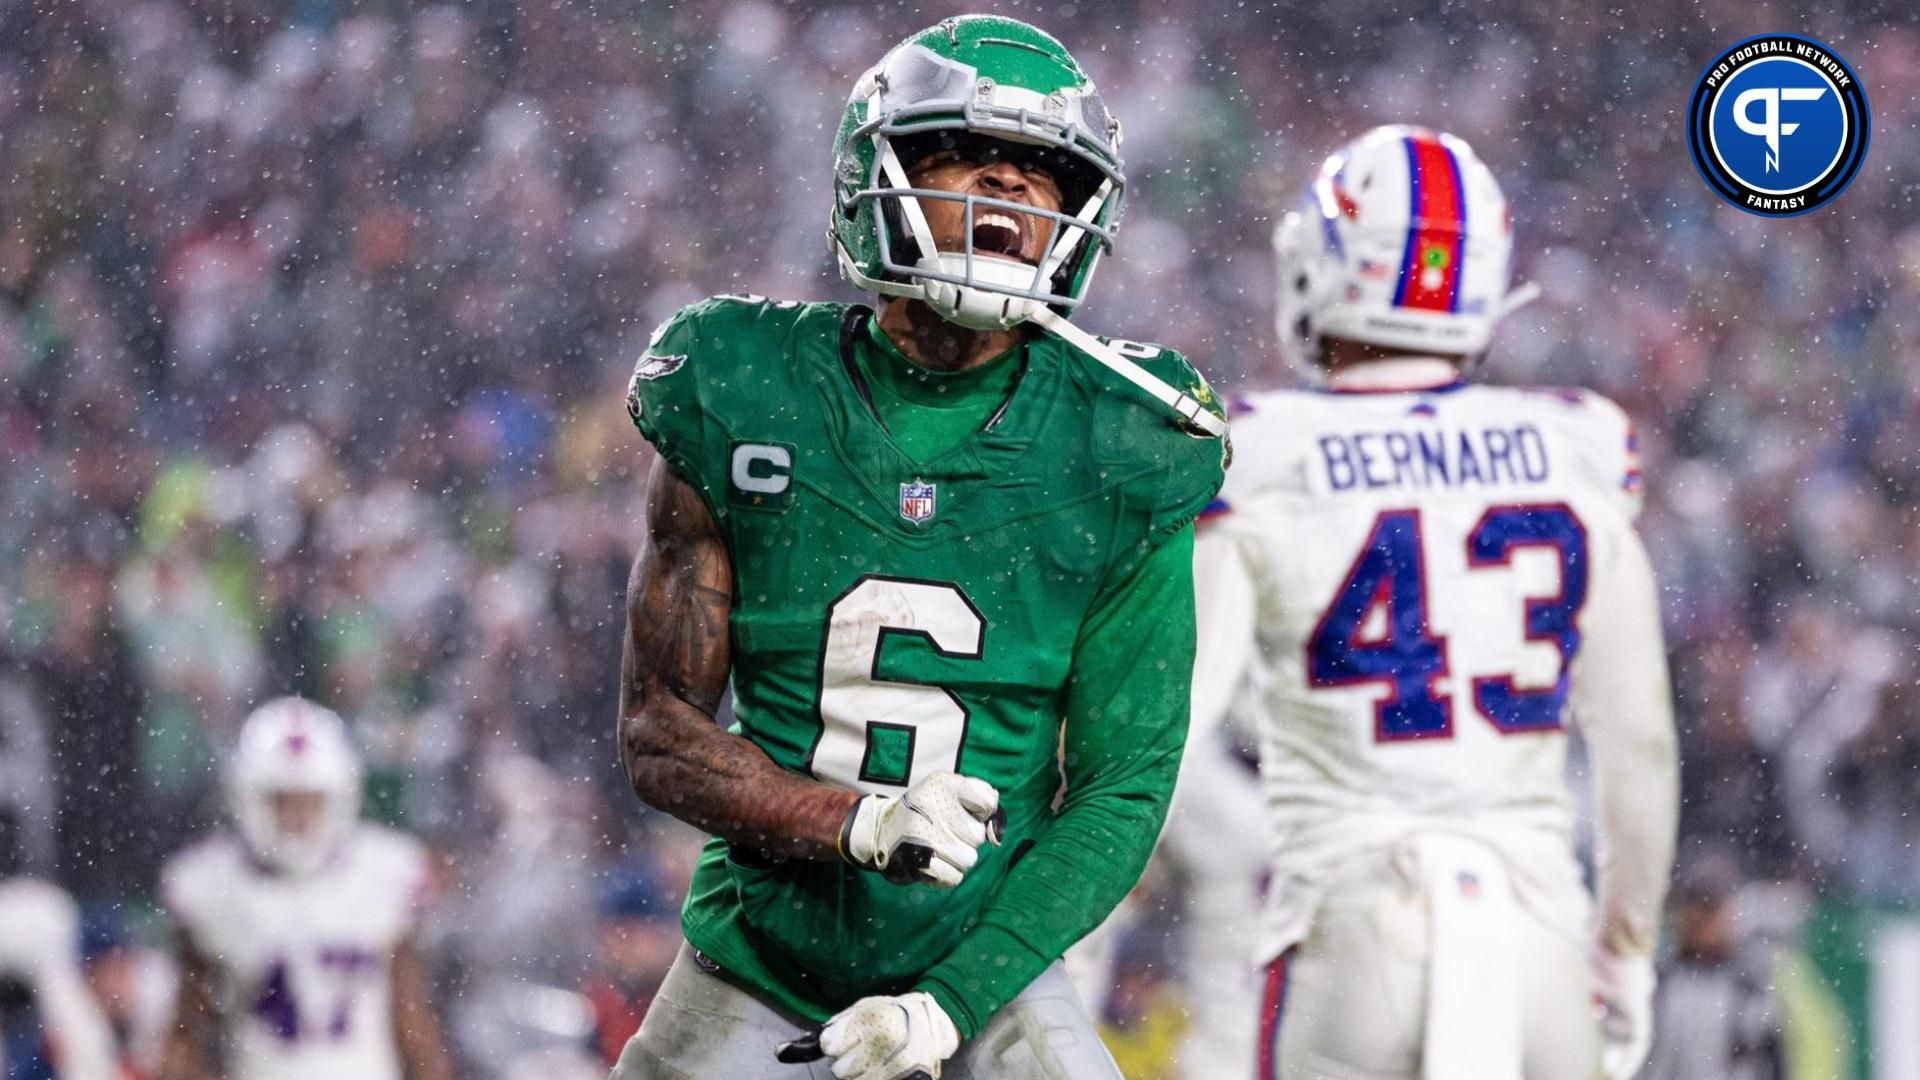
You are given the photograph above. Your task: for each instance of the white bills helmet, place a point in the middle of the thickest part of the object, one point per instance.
(293, 746)
(1403, 241)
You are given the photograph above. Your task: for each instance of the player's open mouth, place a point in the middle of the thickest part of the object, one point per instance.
(996, 233)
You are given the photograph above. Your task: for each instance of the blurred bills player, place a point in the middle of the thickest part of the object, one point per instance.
(40, 956)
(1435, 579)
(296, 947)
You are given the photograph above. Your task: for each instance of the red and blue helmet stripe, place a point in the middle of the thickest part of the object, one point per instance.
(1437, 229)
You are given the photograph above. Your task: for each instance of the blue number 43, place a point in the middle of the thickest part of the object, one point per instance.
(1351, 646)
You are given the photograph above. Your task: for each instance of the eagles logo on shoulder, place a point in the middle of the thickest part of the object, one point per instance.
(649, 368)
(653, 367)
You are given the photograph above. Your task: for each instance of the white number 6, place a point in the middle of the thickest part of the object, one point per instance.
(858, 709)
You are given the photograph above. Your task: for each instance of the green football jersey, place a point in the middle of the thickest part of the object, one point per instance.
(894, 618)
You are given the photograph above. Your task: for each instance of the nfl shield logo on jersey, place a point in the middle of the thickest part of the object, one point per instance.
(916, 501)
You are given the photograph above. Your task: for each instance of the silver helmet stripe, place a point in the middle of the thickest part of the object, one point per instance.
(1189, 409)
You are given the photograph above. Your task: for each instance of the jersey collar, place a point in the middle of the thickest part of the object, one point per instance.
(905, 378)
(869, 450)
(1402, 374)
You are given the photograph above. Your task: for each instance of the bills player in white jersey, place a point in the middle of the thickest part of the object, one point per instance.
(296, 932)
(40, 953)
(1434, 580)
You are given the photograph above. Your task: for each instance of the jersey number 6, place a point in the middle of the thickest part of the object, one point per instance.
(1390, 577)
(878, 735)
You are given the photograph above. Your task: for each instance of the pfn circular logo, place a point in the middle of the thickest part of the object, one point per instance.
(1778, 125)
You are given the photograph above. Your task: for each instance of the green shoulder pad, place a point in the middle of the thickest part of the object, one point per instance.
(1197, 462)
(1175, 470)
(689, 379)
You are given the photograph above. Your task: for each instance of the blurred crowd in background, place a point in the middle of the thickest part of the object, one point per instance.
(315, 317)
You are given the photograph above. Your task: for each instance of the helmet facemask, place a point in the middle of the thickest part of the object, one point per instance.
(914, 103)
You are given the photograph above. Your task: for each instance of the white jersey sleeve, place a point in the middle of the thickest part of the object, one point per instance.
(305, 963)
(1622, 701)
(40, 946)
(1621, 694)
(1426, 570)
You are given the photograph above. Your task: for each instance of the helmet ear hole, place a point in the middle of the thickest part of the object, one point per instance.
(1300, 284)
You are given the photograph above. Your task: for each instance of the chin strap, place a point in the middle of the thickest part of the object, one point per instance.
(1191, 411)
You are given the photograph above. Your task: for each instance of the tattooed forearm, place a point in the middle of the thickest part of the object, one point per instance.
(673, 674)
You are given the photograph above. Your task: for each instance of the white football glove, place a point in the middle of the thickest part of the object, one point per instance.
(890, 1038)
(928, 834)
(1623, 986)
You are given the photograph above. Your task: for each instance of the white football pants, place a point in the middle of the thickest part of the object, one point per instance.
(1420, 966)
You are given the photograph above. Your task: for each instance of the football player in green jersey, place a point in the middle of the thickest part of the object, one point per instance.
(943, 555)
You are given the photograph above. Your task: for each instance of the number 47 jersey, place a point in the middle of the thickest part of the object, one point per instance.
(1427, 568)
(304, 963)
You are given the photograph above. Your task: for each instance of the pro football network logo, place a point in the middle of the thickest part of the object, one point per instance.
(916, 501)
(1778, 125)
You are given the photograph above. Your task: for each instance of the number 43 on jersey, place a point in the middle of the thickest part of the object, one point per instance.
(1376, 629)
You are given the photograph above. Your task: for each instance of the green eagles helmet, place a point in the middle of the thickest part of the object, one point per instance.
(992, 77)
